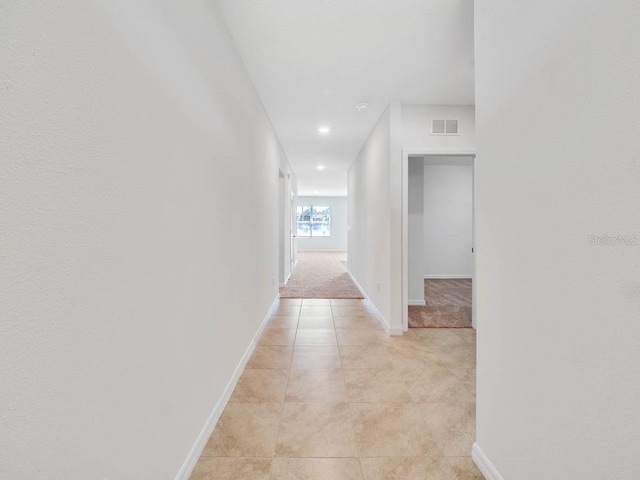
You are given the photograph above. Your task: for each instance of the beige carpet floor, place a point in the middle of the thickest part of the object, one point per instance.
(320, 275)
(448, 305)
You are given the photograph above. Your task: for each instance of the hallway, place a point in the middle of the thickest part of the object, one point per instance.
(328, 394)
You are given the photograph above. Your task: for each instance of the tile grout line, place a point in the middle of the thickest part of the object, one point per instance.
(284, 398)
(346, 389)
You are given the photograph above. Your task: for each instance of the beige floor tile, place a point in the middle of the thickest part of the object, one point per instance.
(316, 302)
(316, 469)
(316, 357)
(213, 468)
(454, 443)
(367, 356)
(456, 356)
(412, 410)
(245, 430)
(270, 357)
(360, 311)
(392, 429)
(316, 430)
(407, 468)
(441, 416)
(286, 311)
(435, 384)
(349, 302)
(261, 386)
(315, 311)
(362, 337)
(384, 386)
(467, 376)
(420, 468)
(463, 468)
(438, 336)
(410, 337)
(316, 386)
(467, 334)
(356, 323)
(316, 337)
(283, 321)
(409, 357)
(314, 323)
(290, 302)
(277, 336)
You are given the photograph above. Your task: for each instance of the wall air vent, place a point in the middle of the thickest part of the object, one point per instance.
(444, 127)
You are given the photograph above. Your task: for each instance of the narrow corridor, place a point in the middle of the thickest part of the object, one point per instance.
(328, 394)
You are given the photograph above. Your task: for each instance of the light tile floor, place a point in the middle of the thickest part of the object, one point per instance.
(328, 394)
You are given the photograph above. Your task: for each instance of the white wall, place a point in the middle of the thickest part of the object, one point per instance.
(558, 333)
(416, 126)
(415, 230)
(132, 144)
(448, 217)
(337, 242)
(368, 214)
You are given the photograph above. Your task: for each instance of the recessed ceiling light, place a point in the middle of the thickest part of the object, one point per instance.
(320, 167)
(324, 130)
(316, 192)
(361, 107)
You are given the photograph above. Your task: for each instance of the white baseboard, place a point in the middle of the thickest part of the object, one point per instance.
(417, 303)
(445, 277)
(383, 321)
(484, 464)
(189, 464)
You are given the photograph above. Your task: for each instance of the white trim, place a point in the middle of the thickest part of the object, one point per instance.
(383, 321)
(484, 464)
(417, 303)
(192, 458)
(406, 152)
(444, 277)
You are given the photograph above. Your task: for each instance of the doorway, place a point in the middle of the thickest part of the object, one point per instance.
(438, 239)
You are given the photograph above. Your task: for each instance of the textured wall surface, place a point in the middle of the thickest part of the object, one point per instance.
(133, 148)
(557, 107)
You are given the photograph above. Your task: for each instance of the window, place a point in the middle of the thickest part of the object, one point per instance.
(314, 221)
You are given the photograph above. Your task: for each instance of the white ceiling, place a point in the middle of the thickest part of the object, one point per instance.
(313, 61)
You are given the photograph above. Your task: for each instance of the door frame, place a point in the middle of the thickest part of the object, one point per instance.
(425, 152)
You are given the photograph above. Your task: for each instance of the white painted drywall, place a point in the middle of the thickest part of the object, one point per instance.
(135, 155)
(415, 230)
(558, 104)
(448, 217)
(337, 242)
(416, 126)
(368, 214)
